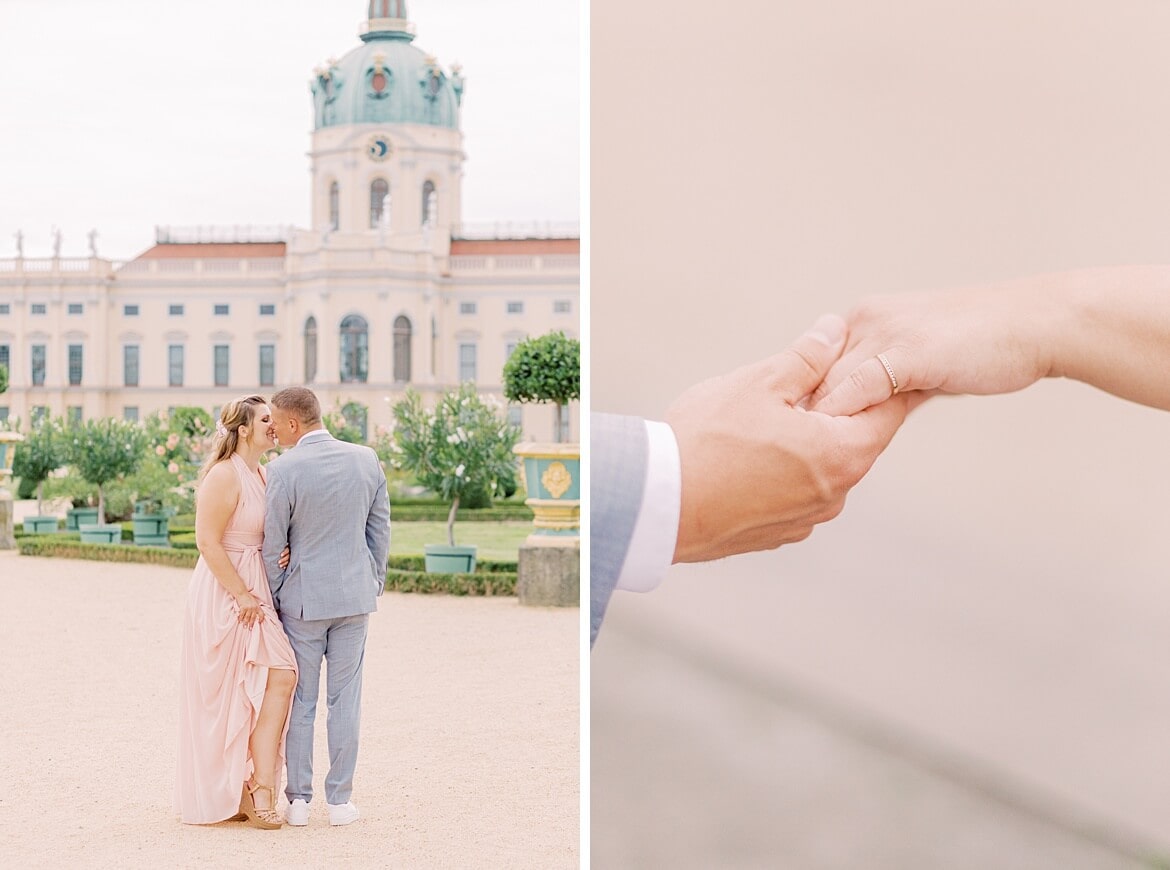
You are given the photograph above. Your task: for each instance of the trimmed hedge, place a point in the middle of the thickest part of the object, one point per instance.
(404, 574)
(485, 583)
(61, 547)
(424, 513)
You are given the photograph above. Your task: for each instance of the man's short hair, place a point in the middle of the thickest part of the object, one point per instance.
(301, 402)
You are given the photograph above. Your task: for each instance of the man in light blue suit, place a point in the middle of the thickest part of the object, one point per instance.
(327, 500)
(738, 465)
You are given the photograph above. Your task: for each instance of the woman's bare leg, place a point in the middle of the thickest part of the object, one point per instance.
(265, 739)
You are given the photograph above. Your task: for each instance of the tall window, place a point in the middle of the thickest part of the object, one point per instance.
(3, 413)
(334, 206)
(175, 310)
(516, 415)
(73, 415)
(515, 307)
(39, 414)
(130, 365)
(38, 365)
(310, 350)
(267, 365)
(466, 362)
(129, 310)
(130, 413)
(221, 365)
(355, 338)
(378, 193)
(6, 358)
(77, 308)
(402, 349)
(430, 205)
(37, 308)
(75, 362)
(222, 310)
(175, 365)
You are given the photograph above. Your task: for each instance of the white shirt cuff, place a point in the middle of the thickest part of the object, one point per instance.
(656, 528)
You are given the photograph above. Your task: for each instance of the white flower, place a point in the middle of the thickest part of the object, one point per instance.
(453, 439)
(459, 469)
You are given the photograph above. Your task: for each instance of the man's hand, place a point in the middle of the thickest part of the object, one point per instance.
(758, 471)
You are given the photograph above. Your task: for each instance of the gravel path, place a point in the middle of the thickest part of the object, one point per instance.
(470, 732)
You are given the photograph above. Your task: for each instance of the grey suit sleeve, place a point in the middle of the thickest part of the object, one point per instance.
(378, 524)
(618, 451)
(276, 516)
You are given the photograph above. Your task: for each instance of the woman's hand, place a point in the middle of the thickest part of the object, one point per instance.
(284, 558)
(981, 340)
(250, 613)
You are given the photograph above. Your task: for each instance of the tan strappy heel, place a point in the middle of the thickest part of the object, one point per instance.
(266, 818)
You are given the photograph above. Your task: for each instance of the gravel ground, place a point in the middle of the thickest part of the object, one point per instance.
(470, 732)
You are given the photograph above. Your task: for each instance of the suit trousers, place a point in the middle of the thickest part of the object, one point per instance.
(342, 643)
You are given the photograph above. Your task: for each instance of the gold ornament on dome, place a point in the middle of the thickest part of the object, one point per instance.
(556, 479)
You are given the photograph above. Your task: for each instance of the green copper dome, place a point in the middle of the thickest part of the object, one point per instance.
(386, 80)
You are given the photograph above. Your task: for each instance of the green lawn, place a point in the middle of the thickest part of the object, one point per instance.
(497, 541)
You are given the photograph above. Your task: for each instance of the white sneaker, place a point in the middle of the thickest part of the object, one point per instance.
(298, 813)
(342, 814)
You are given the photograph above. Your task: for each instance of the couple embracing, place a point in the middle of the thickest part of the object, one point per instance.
(292, 559)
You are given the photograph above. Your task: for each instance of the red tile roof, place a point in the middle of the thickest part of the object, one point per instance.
(213, 250)
(515, 246)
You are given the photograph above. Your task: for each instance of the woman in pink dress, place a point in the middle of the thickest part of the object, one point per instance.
(238, 670)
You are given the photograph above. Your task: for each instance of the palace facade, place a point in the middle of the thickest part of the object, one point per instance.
(387, 289)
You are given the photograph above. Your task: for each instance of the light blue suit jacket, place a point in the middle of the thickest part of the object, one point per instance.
(327, 500)
(618, 451)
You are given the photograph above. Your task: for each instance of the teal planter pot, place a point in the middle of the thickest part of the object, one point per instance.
(74, 517)
(151, 530)
(95, 533)
(552, 476)
(441, 559)
(40, 525)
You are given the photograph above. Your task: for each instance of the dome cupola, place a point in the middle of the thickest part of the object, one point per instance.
(386, 79)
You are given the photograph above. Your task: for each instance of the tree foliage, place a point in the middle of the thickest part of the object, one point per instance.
(544, 369)
(3, 379)
(41, 453)
(105, 449)
(463, 446)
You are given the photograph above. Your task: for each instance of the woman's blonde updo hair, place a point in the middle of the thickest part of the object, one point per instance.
(236, 413)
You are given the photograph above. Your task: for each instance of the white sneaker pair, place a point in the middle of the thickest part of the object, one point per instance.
(339, 814)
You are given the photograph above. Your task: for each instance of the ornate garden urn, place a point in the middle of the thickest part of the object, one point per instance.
(8, 442)
(552, 475)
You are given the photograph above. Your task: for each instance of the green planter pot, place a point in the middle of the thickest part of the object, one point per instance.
(552, 476)
(151, 530)
(96, 533)
(74, 517)
(40, 525)
(441, 559)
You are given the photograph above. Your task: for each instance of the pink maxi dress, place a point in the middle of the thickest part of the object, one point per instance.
(224, 670)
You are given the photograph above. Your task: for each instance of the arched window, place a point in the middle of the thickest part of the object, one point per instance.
(310, 350)
(402, 349)
(334, 206)
(355, 343)
(430, 205)
(379, 190)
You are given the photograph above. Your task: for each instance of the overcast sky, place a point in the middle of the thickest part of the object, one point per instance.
(118, 115)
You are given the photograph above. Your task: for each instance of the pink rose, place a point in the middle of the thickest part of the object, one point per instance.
(159, 450)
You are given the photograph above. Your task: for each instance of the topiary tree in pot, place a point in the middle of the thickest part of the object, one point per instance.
(42, 453)
(545, 369)
(464, 445)
(105, 449)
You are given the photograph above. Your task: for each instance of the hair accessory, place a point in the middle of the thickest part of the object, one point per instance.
(220, 429)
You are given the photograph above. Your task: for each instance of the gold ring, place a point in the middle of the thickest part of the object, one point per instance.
(889, 371)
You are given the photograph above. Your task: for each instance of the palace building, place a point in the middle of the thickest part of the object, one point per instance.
(387, 289)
